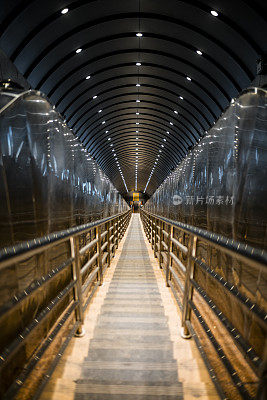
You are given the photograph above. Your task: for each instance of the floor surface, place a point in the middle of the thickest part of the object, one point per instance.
(132, 349)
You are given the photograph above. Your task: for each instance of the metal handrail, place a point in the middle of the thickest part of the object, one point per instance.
(100, 249)
(156, 227)
(12, 254)
(256, 257)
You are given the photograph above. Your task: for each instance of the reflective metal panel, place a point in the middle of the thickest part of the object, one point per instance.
(48, 182)
(222, 184)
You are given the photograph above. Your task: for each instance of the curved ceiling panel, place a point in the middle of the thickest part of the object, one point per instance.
(137, 120)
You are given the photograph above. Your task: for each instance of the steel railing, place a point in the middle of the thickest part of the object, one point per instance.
(179, 259)
(87, 275)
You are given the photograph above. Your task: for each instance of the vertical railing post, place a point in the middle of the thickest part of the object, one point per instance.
(151, 229)
(122, 225)
(76, 273)
(153, 232)
(108, 241)
(169, 244)
(155, 236)
(119, 229)
(114, 236)
(99, 250)
(188, 289)
(117, 233)
(160, 242)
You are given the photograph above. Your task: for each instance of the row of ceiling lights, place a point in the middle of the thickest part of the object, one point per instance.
(79, 50)
(136, 164)
(138, 64)
(139, 34)
(118, 164)
(155, 164)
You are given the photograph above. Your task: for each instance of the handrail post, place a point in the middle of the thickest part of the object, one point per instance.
(154, 232)
(76, 273)
(151, 220)
(117, 234)
(99, 250)
(108, 241)
(148, 229)
(169, 255)
(121, 226)
(155, 237)
(119, 229)
(188, 289)
(160, 242)
(114, 238)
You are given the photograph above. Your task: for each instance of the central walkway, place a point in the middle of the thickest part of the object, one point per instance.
(132, 349)
(131, 342)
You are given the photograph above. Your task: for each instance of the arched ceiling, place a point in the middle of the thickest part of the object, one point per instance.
(192, 64)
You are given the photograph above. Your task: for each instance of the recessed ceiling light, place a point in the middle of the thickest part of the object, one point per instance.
(136, 138)
(168, 132)
(175, 112)
(94, 97)
(106, 131)
(103, 122)
(64, 11)
(137, 131)
(199, 52)
(139, 34)
(78, 51)
(88, 77)
(137, 101)
(181, 97)
(171, 123)
(100, 111)
(188, 78)
(214, 13)
(165, 140)
(138, 85)
(138, 64)
(109, 138)
(137, 123)
(111, 145)
(137, 113)
(162, 145)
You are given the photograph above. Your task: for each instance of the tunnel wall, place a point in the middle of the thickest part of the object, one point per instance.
(221, 186)
(48, 183)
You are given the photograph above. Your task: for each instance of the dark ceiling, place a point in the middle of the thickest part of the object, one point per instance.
(173, 111)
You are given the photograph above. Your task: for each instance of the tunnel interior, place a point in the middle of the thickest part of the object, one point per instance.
(139, 82)
(135, 128)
